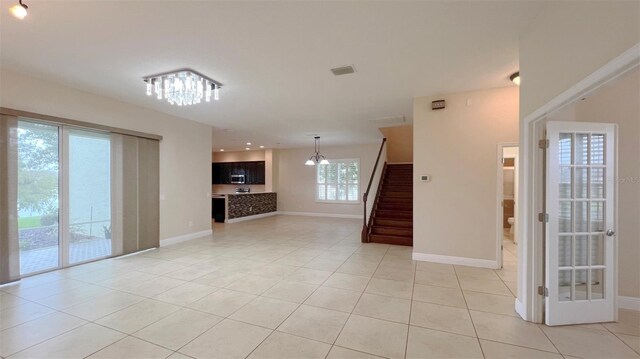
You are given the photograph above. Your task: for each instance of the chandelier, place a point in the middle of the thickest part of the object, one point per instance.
(183, 87)
(317, 157)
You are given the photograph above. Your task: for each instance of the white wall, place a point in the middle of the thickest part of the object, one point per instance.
(456, 213)
(185, 151)
(399, 143)
(569, 40)
(296, 182)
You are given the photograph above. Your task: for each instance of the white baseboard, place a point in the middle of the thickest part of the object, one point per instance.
(314, 214)
(630, 303)
(471, 262)
(248, 218)
(185, 237)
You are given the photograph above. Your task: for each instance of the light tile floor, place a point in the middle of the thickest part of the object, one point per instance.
(287, 287)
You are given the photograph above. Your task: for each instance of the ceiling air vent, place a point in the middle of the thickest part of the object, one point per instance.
(389, 121)
(344, 70)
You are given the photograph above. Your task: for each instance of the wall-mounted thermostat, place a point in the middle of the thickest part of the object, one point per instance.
(437, 105)
(425, 178)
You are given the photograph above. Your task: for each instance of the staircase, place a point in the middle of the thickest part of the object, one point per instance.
(392, 217)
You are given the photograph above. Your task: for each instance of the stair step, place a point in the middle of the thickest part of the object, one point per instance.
(396, 188)
(397, 240)
(389, 214)
(396, 194)
(395, 206)
(391, 222)
(392, 231)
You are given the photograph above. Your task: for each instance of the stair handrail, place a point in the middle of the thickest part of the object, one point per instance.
(365, 227)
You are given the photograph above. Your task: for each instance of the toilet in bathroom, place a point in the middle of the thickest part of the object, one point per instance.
(511, 222)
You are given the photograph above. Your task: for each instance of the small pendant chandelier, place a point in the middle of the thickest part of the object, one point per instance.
(317, 157)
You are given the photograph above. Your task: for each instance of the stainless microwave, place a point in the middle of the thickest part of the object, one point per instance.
(237, 178)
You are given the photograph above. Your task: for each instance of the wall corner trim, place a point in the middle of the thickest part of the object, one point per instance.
(185, 237)
(520, 309)
(630, 303)
(316, 214)
(248, 218)
(471, 262)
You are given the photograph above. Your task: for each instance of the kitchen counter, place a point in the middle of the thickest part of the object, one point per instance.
(239, 205)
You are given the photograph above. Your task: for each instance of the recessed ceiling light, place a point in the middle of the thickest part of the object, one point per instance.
(222, 150)
(19, 10)
(247, 148)
(248, 143)
(515, 78)
(261, 146)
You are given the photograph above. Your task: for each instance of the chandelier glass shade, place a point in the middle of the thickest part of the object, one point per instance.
(183, 87)
(317, 157)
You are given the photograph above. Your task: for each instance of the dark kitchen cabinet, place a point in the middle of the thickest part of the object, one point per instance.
(217, 209)
(254, 172)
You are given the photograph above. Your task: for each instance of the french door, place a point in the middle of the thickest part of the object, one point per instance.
(580, 244)
(64, 196)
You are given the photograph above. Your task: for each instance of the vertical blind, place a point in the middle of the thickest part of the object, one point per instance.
(134, 182)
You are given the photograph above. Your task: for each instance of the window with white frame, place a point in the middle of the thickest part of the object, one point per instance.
(339, 181)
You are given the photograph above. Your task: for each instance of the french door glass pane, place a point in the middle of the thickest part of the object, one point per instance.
(38, 202)
(89, 196)
(581, 217)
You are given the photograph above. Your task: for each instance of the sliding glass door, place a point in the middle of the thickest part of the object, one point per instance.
(38, 196)
(64, 196)
(89, 195)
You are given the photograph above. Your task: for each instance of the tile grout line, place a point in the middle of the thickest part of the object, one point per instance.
(466, 304)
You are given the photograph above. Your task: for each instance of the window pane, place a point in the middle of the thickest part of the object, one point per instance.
(353, 172)
(564, 148)
(565, 187)
(564, 285)
(597, 149)
(581, 284)
(582, 180)
(89, 196)
(565, 217)
(564, 251)
(582, 248)
(38, 221)
(342, 192)
(597, 283)
(331, 192)
(582, 216)
(321, 174)
(597, 183)
(338, 181)
(353, 192)
(597, 249)
(597, 216)
(582, 149)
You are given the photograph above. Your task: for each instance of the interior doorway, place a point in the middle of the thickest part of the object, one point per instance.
(507, 198)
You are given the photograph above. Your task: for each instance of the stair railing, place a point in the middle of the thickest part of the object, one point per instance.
(365, 225)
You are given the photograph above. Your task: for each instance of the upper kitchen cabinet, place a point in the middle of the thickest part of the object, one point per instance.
(254, 172)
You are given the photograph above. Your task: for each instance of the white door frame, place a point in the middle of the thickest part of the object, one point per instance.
(500, 198)
(529, 304)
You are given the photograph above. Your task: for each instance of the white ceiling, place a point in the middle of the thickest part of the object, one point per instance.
(273, 58)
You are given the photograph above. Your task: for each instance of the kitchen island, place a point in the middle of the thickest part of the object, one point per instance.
(243, 206)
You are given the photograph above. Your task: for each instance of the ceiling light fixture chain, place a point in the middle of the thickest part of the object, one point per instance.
(183, 87)
(316, 157)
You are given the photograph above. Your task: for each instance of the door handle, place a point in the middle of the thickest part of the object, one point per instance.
(610, 233)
